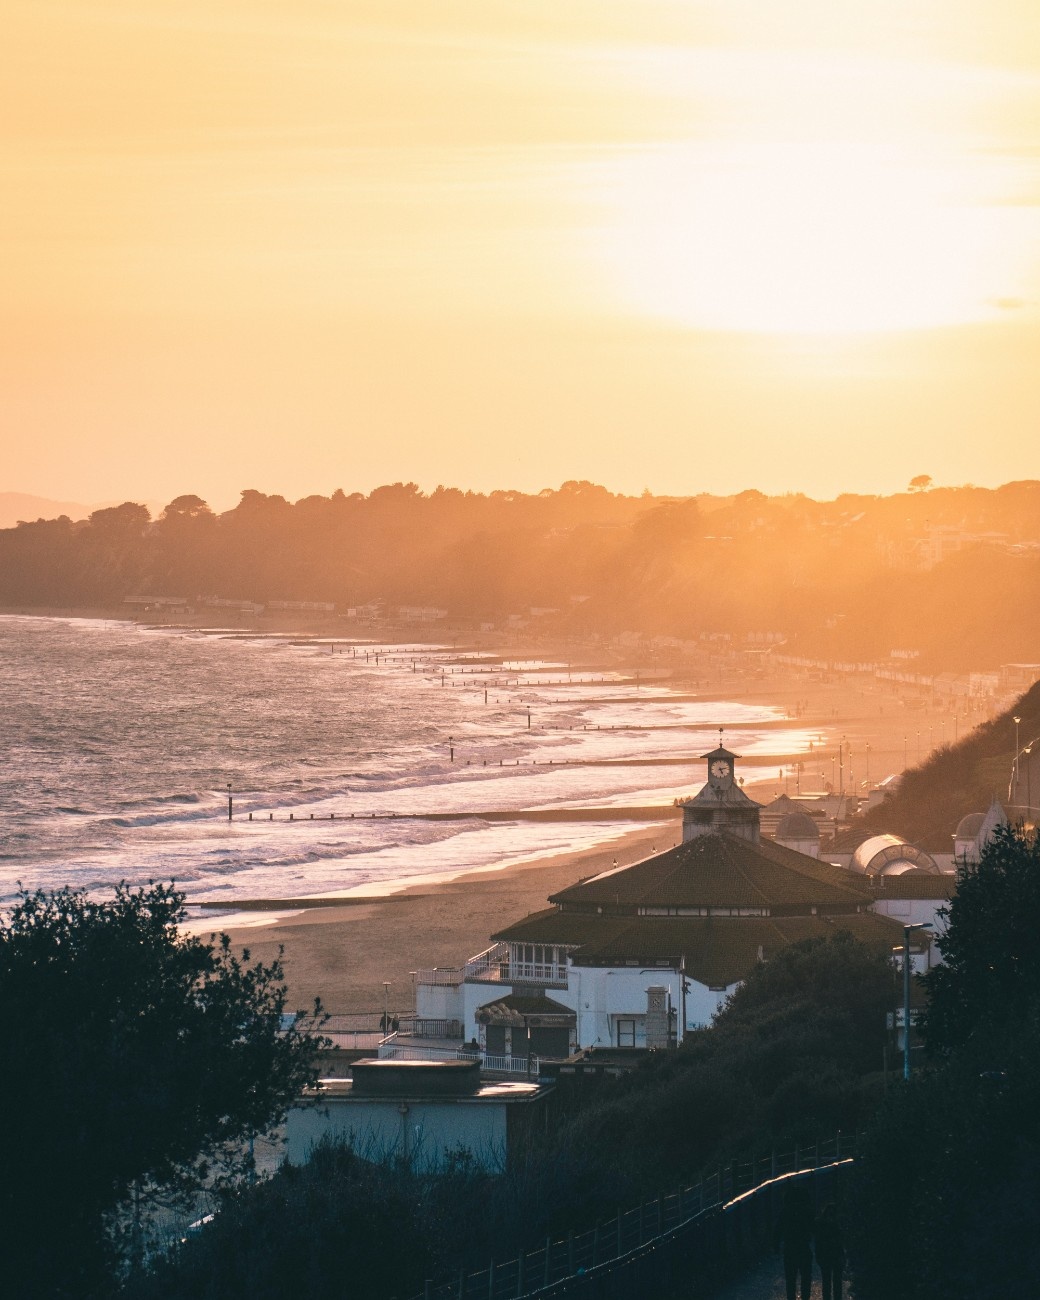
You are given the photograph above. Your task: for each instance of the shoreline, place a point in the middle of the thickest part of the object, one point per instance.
(344, 955)
(343, 949)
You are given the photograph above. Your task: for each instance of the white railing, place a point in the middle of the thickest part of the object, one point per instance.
(533, 972)
(493, 966)
(487, 965)
(391, 1049)
(354, 1039)
(448, 976)
(511, 1065)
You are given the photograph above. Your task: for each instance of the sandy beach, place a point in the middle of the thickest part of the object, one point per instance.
(343, 955)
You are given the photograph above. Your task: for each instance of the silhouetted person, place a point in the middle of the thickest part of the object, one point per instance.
(830, 1252)
(794, 1232)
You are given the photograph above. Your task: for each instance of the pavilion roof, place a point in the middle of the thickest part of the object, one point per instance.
(719, 870)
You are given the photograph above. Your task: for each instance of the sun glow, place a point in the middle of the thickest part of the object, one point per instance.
(813, 237)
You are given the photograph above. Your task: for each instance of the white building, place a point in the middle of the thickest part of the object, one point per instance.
(638, 955)
(418, 1113)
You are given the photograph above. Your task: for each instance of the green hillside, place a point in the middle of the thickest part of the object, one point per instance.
(959, 779)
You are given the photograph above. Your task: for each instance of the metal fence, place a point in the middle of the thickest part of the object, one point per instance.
(692, 1238)
(393, 1048)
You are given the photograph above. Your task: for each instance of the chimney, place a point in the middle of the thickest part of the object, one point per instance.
(658, 1011)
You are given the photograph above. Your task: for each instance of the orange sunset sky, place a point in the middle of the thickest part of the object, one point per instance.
(295, 245)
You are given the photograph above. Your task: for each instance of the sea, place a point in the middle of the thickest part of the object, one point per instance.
(354, 766)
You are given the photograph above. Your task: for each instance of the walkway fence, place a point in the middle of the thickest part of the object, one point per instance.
(686, 1243)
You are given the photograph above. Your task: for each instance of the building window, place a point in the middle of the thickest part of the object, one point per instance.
(626, 1033)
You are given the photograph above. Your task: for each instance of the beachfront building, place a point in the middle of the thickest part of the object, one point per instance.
(916, 897)
(418, 1114)
(975, 831)
(638, 955)
(890, 855)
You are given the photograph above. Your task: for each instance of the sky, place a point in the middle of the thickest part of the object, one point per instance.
(700, 246)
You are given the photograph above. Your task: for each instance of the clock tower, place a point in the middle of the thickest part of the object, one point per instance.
(720, 805)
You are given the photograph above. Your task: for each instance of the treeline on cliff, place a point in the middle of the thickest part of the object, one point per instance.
(965, 777)
(850, 579)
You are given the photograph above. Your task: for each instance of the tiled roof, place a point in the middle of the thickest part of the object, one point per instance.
(917, 884)
(719, 951)
(719, 870)
(529, 1005)
(556, 927)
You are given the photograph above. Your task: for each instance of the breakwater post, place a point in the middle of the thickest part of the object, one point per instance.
(229, 801)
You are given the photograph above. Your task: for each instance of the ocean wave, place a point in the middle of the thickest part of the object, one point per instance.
(339, 740)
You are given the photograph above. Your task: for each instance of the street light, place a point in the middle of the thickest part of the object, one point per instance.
(917, 925)
(386, 1007)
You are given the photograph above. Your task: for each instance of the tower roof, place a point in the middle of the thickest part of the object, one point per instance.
(797, 825)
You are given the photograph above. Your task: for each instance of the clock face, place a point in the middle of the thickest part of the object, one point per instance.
(720, 768)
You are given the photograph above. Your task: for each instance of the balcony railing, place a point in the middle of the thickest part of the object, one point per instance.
(488, 965)
(533, 972)
(441, 976)
(492, 966)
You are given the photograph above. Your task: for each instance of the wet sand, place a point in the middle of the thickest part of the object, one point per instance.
(343, 955)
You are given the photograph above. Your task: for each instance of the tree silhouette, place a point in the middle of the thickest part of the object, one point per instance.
(135, 1058)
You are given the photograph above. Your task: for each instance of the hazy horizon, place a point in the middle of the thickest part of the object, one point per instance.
(51, 508)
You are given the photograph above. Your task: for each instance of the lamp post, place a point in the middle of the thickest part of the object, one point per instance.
(1029, 793)
(918, 925)
(1014, 766)
(386, 1007)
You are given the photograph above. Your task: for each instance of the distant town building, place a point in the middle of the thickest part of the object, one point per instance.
(890, 855)
(420, 613)
(309, 606)
(974, 832)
